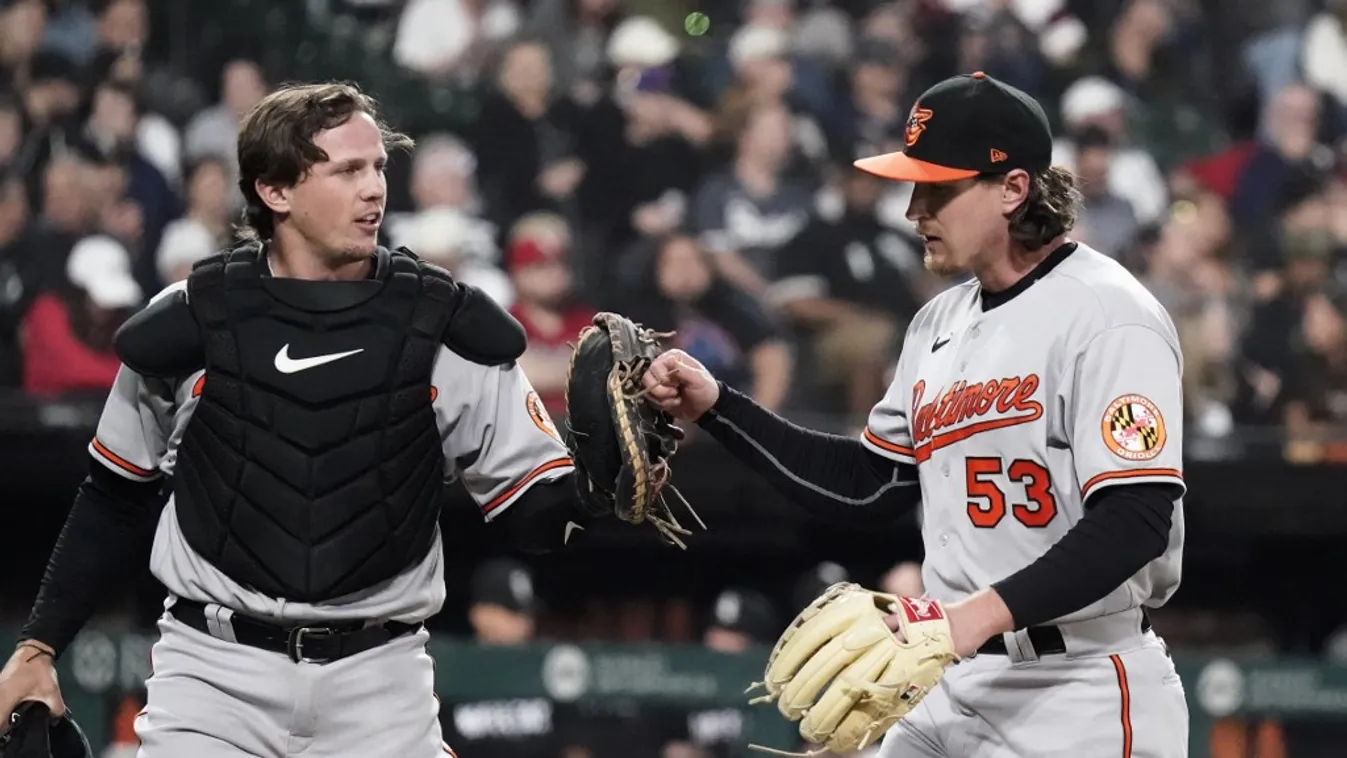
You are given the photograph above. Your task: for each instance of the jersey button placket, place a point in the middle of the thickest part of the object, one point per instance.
(972, 334)
(944, 471)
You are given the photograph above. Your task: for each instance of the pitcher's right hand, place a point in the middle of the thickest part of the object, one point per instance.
(681, 386)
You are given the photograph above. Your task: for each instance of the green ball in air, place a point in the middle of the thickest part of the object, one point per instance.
(696, 24)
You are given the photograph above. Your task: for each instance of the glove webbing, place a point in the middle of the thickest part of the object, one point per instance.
(624, 382)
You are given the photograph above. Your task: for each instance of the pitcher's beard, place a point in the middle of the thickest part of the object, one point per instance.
(940, 265)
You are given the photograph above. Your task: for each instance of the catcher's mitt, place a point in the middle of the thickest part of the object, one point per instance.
(33, 733)
(620, 442)
(840, 671)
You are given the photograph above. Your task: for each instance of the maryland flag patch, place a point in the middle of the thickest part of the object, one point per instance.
(1133, 428)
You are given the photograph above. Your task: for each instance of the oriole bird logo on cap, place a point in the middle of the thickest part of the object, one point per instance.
(916, 124)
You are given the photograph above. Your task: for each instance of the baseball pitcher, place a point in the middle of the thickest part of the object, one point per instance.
(308, 393)
(1036, 416)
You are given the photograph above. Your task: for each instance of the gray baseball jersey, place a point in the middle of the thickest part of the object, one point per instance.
(497, 439)
(1014, 417)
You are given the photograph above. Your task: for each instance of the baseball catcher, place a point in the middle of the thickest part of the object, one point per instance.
(842, 672)
(621, 443)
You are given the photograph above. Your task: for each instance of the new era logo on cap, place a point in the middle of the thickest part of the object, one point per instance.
(966, 126)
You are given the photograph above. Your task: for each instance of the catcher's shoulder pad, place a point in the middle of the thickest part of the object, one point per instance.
(163, 339)
(478, 329)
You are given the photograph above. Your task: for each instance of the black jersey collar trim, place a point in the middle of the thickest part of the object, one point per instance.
(992, 300)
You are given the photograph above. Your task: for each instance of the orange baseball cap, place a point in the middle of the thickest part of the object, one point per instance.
(965, 126)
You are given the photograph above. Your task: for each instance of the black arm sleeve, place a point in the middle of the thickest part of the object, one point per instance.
(831, 476)
(1124, 527)
(539, 520)
(106, 536)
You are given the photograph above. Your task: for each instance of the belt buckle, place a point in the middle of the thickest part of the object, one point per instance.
(294, 643)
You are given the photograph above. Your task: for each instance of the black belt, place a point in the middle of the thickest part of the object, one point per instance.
(321, 642)
(1046, 640)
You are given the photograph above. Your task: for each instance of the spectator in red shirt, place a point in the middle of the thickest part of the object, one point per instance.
(67, 332)
(545, 303)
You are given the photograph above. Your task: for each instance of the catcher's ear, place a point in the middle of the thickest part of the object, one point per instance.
(482, 331)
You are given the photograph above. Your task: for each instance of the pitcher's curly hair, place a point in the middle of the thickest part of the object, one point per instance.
(1050, 210)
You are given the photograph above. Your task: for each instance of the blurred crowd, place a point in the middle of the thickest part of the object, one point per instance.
(582, 155)
(700, 181)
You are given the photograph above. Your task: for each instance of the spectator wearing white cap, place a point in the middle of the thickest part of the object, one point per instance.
(1324, 53)
(101, 267)
(642, 143)
(67, 333)
(644, 59)
(185, 242)
(640, 42)
(766, 74)
(444, 177)
(770, 32)
(450, 40)
(444, 237)
(1132, 173)
(1107, 222)
(758, 52)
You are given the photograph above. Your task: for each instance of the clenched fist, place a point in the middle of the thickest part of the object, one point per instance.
(681, 386)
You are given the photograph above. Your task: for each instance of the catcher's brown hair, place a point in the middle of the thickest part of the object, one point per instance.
(276, 141)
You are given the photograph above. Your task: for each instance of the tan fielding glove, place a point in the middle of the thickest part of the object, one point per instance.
(847, 678)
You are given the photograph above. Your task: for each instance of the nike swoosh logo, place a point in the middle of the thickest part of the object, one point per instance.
(570, 527)
(940, 343)
(287, 365)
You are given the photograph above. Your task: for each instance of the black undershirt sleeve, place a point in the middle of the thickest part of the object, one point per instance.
(106, 537)
(1124, 527)
(833, 477)
(538, 521)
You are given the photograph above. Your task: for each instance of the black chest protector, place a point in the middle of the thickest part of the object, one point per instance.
(311, 467)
